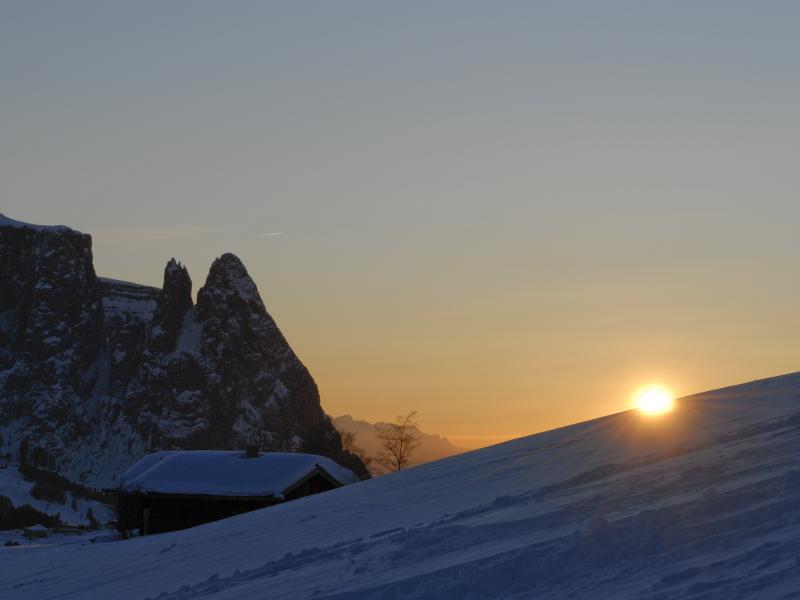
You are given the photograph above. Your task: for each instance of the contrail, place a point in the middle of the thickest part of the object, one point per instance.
(269, 234)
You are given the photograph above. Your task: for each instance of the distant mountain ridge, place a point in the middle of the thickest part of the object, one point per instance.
(96, 372)
(432, 446)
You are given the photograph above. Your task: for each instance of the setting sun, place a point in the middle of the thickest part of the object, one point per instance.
(654, 400)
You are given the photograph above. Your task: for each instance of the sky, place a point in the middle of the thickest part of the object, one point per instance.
(506, 215)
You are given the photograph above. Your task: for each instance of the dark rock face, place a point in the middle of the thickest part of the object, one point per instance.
(174, 301)
(96, 372)
(50, 315)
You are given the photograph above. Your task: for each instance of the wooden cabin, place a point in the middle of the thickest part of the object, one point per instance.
(35, 532)
(173, 490)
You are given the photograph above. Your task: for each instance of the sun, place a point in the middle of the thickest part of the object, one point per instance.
(654, 400)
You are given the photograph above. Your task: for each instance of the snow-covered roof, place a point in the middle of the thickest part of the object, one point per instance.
(7, 222)
(111, 282)
(225, 473)
(36, 527)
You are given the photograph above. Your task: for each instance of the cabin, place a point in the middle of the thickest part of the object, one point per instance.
(172, 490)
(36, 532)
(63, 529)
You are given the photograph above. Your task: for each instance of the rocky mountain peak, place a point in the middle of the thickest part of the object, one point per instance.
(95, 373)
(229, 277)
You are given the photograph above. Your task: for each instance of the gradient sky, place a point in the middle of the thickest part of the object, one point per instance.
(507, 215)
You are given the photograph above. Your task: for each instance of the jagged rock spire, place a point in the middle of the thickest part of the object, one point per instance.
(177, 288)
(174, 301)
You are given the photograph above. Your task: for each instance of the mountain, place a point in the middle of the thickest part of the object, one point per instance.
(95, 372)
(432, 446)
(703, 503)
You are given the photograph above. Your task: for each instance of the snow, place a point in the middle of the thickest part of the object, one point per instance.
(142, 308)
(701, 503)
(56, 538)
(111, 282)
(130, 299)
(7, 222)
(6, 320)
(17, 489)
(225, 473)
(37, 527)
(190, 335)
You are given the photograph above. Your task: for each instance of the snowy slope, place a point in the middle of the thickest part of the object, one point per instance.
(17, 489)
(702, 503)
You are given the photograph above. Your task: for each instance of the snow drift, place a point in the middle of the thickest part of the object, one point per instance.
(702, 503)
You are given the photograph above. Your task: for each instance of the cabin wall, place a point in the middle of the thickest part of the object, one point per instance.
(154, 513)
(157, 514)
(129, 513)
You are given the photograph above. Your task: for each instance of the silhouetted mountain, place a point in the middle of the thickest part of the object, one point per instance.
(432, 446)
(96, 372)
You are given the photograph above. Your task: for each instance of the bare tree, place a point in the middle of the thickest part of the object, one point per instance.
(398, 442)
(349, 441)
(349, 445)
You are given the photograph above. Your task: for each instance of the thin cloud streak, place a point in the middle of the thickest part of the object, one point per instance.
(274, 233)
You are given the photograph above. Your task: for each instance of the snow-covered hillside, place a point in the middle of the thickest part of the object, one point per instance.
(701, 503)
(73, 511)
